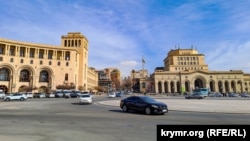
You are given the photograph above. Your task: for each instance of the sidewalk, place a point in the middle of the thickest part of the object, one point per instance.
(196, 105)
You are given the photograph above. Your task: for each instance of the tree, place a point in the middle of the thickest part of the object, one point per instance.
(66, 86)
(81, 88)
(27, 88)
(127, 84)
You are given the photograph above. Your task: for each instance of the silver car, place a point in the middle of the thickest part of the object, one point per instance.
(86, 98)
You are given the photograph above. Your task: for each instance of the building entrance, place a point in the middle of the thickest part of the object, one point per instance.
(198, 83)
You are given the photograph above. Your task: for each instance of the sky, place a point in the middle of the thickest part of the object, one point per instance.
(122, 32)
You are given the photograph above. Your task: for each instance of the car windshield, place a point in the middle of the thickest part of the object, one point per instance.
(86, 95)
(148, 99)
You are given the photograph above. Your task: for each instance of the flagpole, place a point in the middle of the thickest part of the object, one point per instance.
(143, 62)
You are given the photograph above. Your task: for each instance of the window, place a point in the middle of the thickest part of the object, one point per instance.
(50, 54)
(66, 77)
(21, 61)
(65, 43)
(67, 56)
(11, 60)
(22, 52)
(40, 54)
(24, 76)
(12, 51)
(32, 53)
(44, 76)
(1, 58)
(4, 74)
(50, 63)
(67, 63)
(58, 63)
(1, 50)
(31, 61)
(41, 62)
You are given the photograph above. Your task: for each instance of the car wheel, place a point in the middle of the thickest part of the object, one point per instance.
(22, 99)
(7, 99)
(147, 111)
(124, 108)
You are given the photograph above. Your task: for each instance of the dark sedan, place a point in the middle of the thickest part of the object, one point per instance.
(194, 96)
(144, 104)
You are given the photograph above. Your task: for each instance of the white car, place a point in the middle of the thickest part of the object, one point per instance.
(39, 95)
(2, 94)
(29, 95)
(86, 98)
(50, 95)
(112, 95)
(17, 96)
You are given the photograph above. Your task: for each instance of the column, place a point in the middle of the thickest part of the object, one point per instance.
(223, 87)
(36, 53)
(162, 86)
(54, 55)
(27, 52)
(45, 53)
(17, 54)
(156, 87)
(7, 53)
(175, 86)
(216, 86)
(229, 86)
(168, 85)
(63, 56)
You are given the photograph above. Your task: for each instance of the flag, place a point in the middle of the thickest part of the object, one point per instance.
(143, 61)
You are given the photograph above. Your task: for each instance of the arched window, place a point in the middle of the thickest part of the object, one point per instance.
(44, 76)
(4, 74)
(24, 76)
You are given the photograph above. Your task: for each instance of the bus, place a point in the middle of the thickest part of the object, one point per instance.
(202, 91)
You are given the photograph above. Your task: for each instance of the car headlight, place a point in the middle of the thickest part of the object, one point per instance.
(155, 106)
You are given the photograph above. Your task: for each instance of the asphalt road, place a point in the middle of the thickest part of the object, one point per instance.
(62, 119)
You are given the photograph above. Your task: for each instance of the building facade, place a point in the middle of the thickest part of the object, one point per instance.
(185, 70)
(139, 79)
(92, 79)
(109, 78)
(44, 67)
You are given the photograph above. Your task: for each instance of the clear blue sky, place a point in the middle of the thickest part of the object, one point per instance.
(121, 32)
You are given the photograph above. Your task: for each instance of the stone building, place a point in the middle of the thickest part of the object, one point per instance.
(92, 81)
(43, 66)
(109, 78)
(185, 70)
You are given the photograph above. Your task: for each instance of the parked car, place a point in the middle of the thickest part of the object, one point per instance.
(145, 104)
(233, 95)
(59, 94)
(85, 98)
(2, 94)
(77, 93)
(194, 96)
(29, 95)
(119, 94)
(50, 95)
(216, 95)
(73, 95)
(67, 93)
(15, 96)
(111, 95)
(39, 95)
(245, 95)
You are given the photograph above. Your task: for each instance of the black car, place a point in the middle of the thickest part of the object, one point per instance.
(144, 104)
